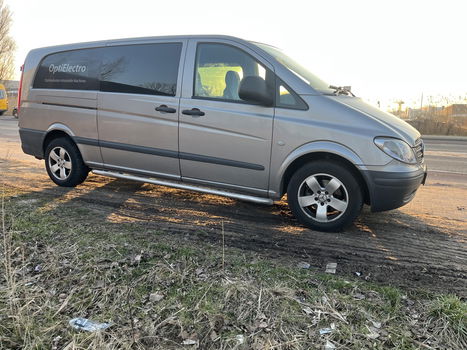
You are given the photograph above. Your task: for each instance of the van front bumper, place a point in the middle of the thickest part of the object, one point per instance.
(391, 190)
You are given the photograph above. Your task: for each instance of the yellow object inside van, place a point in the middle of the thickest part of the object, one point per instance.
(3, 100)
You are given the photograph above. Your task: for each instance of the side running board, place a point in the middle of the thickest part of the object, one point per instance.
(184, 186)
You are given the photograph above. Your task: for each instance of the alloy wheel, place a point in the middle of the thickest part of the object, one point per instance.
(323, 197)
(60, 163)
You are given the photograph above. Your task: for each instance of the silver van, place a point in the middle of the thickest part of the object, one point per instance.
(216, 114)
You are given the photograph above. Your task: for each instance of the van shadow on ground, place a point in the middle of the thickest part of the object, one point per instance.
(392, 247)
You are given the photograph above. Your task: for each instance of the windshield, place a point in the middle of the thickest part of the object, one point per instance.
(296, 68)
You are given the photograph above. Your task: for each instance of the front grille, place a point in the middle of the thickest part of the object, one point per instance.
(419, 150)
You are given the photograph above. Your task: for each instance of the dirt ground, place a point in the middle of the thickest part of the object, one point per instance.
(420, 245)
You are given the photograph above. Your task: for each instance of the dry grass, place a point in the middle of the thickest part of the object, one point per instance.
(62, 263)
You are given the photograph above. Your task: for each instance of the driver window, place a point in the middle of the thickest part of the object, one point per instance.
(219, 70)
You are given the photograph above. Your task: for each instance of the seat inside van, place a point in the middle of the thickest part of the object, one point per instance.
(232, 81)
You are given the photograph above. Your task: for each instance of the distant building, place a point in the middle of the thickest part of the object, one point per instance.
(457, 110)
(433, 112)
(11, 87)
(457, 113)
(424, 112)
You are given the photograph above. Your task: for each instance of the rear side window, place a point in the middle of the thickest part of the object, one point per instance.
(71, 70)
(150, 69)
(2, 94)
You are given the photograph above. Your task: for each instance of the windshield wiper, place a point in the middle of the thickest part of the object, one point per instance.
(342, 90)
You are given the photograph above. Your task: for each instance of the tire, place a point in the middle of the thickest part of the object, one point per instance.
(324, 196)
(64, 163)
(1, 113)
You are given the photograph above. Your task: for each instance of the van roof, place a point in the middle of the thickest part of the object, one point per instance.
(141, 39)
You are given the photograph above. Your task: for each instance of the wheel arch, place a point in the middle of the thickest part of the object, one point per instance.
(55, 131)
(337, 153)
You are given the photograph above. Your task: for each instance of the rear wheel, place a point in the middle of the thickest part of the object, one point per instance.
(64, 163)
(324, 196)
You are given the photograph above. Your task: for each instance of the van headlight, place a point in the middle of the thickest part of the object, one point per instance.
(397, 149)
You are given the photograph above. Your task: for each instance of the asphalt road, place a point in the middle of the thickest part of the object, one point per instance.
(9, 128)
(446, 158)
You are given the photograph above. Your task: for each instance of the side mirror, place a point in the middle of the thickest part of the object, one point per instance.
(255, 89)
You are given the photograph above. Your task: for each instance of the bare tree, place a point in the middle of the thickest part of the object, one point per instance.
(400, 103)
(7, 44)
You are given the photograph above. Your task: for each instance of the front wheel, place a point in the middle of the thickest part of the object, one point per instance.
(64, 163)
(324, 196)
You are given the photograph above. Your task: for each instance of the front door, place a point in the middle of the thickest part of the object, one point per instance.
(224, 140)
(138, 108)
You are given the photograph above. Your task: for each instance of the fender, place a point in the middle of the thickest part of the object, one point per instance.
(60, 127)
(89, 148)
(57, 127)
(310, 148)
(51, 128)
(32, 140)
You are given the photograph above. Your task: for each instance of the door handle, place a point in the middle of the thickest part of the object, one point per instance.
(195, 112)
(164, 108)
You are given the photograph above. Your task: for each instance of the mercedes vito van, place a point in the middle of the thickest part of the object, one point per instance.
(220, 115)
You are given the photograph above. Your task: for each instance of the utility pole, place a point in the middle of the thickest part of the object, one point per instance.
(421, 105)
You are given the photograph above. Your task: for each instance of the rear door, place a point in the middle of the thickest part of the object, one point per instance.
(228, 143)
(138, 107)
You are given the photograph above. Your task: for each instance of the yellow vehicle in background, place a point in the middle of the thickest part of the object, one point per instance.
(3, 100)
